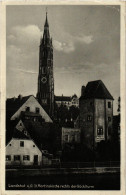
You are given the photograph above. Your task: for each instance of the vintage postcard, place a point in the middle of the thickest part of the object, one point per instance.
(62, 97)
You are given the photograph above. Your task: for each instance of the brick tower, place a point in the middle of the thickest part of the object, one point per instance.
(45, 94)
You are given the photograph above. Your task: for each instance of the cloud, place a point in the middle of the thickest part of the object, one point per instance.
(69, 43)
(62, 46)
(23, 33)
(84, 39)
(27, 71)
(26, 38)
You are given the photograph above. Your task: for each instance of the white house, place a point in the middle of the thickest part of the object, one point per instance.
(21, 150)
(28, 106)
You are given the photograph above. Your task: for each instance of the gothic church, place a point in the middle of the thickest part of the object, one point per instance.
(45, 94)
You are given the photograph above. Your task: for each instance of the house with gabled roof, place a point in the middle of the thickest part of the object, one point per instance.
(27, 107)
(96, 113)
(67, 101)
(22, 150)
(26, 113)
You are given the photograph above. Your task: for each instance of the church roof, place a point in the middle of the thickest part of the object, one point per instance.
(63, 98)
(96, 89)
(46, 21)
(13, 104)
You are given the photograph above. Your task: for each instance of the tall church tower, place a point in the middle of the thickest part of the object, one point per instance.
(45, 94)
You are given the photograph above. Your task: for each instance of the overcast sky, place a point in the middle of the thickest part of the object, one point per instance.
(86, 42)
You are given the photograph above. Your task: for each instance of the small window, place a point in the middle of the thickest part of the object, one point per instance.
(9, 144)
(100, 131)
(25, 132)
(37, 110)
(26, 157)
(16, 157)
(73, 138)
(109, 104)
(89, 118)
(27, 109)
(8, 157)
(109, 119)
(33, 145)
(21, 143)
(66, 138)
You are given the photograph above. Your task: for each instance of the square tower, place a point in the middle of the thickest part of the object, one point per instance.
(96, 113)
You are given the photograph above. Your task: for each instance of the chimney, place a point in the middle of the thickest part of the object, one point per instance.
(82, 90)
(14, 98)
(20, 97)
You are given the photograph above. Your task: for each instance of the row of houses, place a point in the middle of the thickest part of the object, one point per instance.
(23, 116)
(68, 101)
(30, 130)
(31, 136)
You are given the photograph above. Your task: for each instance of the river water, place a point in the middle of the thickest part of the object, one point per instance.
(109, 181)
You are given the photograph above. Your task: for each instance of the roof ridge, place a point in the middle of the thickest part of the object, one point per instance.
(107, 90)
(97, 86)
(97, 89)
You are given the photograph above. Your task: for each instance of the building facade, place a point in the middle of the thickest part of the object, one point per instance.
(26, 107)
(45, 94)
(68, 101)
(23, 151)
(70, 136)
(96, 114)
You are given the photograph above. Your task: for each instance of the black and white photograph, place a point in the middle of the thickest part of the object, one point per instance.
(63, 97)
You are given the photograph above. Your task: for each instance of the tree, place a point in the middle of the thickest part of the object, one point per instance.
(119, 107)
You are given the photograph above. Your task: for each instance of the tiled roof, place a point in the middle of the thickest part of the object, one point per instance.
(43, 134)
(96, 89)
(13, 104)
(63, 98)
(19, 135)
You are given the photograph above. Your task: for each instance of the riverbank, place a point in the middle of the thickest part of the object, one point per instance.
(100, 178)
(60, 171)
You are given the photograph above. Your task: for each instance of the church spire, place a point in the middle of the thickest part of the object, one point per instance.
(45, 94)
(46, 21)
(46, 35)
